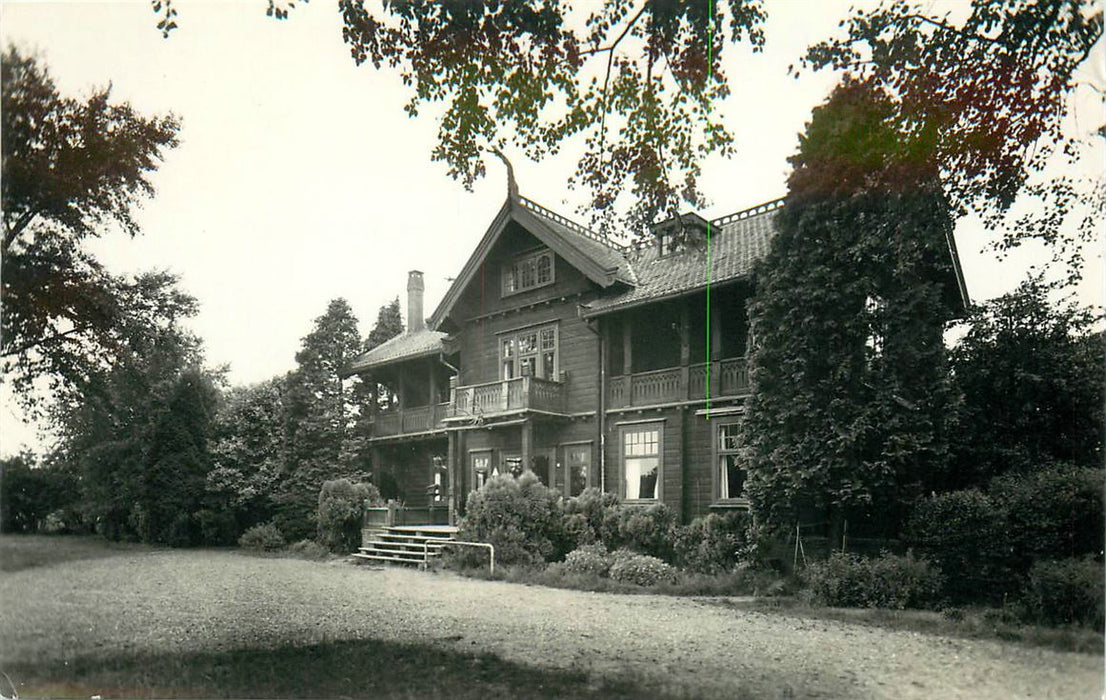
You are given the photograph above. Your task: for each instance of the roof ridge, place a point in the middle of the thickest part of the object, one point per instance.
(569, 223)
(749, 213)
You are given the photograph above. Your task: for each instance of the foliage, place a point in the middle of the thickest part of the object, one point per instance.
(319, 415)
(850, 394)
(963, 533)
(648, 530)
(1030, 375)
(590, 559)
(711, 544)
(640, 569)
(265, 537)
(1066, 591)
(73, 169)
(592, 517)
(521, 517)
(1051, 513)
(30, 494)
(889, 581)
(389, 324)
(995, 89)
(308, 549)
(341, 510)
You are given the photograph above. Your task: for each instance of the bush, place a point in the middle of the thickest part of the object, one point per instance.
(264, 537)
(308, 549)
(591, 559)
(341, 511)
(1066, 591)
(888, 581)
(1053, 513)
(521, 517)
(640, 569)
(648, 530)
(963, 534)
(217, 527)
(713, 544)
(592, 517)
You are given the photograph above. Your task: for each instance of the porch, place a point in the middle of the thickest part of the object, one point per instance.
(717, 379)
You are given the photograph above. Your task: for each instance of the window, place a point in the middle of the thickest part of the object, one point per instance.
(481, 468)
(512, 464)
(529, 353)
(529, 272)
(440, 472)
(577, 465)
(641, 462)
(731, 473)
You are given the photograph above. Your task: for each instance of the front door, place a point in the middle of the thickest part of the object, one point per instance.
(544, 465)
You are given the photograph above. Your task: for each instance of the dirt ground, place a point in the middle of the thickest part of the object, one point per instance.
(187, 601)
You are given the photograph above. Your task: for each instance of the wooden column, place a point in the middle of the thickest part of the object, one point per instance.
(527, 429)
(432, 400)
(685, 347)
(715, 351)
(453, 483)
(627, 360)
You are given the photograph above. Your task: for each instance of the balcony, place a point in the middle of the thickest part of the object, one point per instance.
(726, 378)
(507, 396)
(422, 419)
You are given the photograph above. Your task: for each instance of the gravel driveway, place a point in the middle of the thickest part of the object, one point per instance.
(202, 601)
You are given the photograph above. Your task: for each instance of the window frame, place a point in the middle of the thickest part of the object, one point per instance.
(718, 453)
(512, 275)
(565, 468)
(626, 429)
(517, 359)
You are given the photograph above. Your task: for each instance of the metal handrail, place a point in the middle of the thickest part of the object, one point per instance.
(491, 552)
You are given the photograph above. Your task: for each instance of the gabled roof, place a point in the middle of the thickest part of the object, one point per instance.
(737, 241)
(600, 260)
(403, 347)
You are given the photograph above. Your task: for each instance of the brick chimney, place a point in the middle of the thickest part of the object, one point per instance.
(415, 320)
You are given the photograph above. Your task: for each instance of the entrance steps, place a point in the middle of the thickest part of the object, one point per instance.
(406, 544)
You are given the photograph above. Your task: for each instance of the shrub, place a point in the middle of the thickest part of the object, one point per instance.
(648, 530)
(265, 537)
(640, 569)
(888, 581)
(341, 511)
(1066, 591)
(712, 544)
(591, 559)
(308, 549)
(217, 527)
(521, 517)
(963, 534)
(592, 517)
(1053, 513)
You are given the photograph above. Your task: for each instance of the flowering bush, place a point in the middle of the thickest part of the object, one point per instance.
(640, 569)
(593, 559)
(265, 537)
(521, 517)
(712, 544)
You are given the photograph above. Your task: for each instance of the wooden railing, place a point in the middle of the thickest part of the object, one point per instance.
(409, 420)
(520, 393)
(721, 378)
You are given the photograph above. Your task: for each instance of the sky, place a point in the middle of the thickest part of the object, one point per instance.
(300, 179)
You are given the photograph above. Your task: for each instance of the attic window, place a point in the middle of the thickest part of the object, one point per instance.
(528, 272)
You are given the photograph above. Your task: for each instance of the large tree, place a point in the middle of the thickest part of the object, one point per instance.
(72, 169)
(850, 392)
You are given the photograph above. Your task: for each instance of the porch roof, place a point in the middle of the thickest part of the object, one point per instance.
(408, 346)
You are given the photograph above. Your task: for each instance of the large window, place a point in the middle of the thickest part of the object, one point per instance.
(529, 272)
(529, 353)
(641, 461)
(731, 472)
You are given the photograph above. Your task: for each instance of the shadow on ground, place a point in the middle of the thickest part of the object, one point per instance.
(350, 669)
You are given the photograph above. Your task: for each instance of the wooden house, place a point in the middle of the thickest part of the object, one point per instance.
(586, 362)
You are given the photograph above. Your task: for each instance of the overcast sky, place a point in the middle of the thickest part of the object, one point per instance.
(300, 179)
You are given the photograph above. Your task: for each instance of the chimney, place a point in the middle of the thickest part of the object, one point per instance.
(415, 321)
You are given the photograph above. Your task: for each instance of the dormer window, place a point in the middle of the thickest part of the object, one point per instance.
(528, 272)
(675, 234)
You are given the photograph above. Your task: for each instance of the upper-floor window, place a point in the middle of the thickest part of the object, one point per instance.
(529, 353)
(529, 272)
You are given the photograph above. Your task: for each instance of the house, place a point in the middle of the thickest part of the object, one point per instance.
(589, 363)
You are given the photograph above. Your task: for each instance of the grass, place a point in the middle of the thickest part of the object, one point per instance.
(18, 552)
(964, 623)
(351, 669)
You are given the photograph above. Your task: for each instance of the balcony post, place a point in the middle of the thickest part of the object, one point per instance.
(433, 398)
(715, 351)
(685, 348)
(453, 394)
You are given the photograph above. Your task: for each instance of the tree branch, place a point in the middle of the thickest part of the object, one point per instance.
(955, 30)
(621, 36)
(44, 341)
(13, 232)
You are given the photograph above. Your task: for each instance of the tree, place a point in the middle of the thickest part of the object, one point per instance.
(30, 493)
(319, 416)
(388, 325)
(1030, 374)
(72, 169)
(996, 87)
(850, 393)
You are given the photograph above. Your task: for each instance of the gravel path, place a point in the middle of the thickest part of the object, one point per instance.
(196, 601)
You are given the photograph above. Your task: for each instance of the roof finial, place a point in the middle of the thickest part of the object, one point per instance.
(512, 186)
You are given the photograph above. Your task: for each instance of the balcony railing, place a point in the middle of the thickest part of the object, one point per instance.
(725, 378)
(409, 420)
(518, 394)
